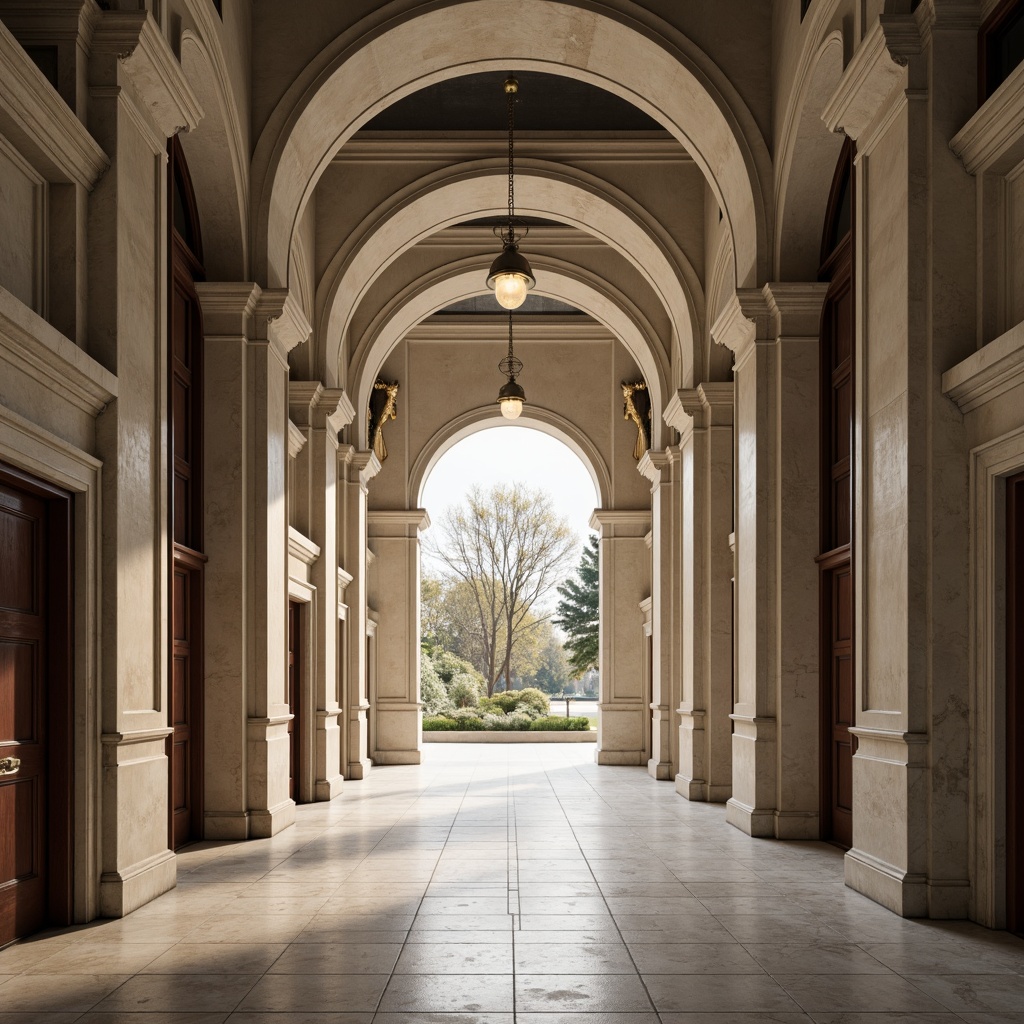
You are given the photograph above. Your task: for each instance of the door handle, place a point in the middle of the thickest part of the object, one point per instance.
(9, 765)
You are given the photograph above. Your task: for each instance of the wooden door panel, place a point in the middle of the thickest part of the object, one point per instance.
(23, 809)
(1015, 704)
(294, 732)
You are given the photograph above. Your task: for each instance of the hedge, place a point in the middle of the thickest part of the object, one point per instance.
(552, 723)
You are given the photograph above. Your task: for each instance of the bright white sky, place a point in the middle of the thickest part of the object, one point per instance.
(507, 454)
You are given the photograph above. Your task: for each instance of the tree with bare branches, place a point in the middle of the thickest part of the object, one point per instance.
(506, 549)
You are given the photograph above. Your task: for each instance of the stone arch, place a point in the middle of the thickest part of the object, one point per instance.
(660, 72)
(717, 358)
(609, 307)
(545, 420)
(542, 190)
(216, 159)
(806, 164)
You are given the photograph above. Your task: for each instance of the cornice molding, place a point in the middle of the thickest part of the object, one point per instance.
(656, 466)
(40, 125)
(744, 319)
(987, 373)
(36, 348)
(310, 404)
(296, 440)
(131, 40)
(529, 327)
(875, 72)
(228, 307)
(707, 405)
(280, 318)
(992, 141)
(406, 523)
(301, 547)
(357, 466)
(795, 308)
(621, 523)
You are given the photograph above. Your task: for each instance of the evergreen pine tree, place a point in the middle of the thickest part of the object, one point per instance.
(577, 611)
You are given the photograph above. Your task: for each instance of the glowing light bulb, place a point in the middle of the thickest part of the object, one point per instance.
(511, 408)
(510, 290)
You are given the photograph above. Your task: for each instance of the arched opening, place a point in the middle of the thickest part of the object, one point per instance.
(511, 471)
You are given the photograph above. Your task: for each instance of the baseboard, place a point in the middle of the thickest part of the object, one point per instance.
(121, 892)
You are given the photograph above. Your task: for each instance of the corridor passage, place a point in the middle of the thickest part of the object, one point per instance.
(512, 883)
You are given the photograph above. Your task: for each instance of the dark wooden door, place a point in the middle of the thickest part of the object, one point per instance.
(185, 402)
(1015, 704)
(294, 703)
(35, 713)
(838, 692)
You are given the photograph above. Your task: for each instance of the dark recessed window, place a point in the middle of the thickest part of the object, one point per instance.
(219, 4)
(1000, 46)
(804, 5)
(44, 58)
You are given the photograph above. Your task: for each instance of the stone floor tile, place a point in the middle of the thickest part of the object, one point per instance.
(444, 1018)
(694, 958)
(580, 993)
(448, 993)
(962, 992)
(745, 992)
(565, 958)
(819, 958)
(44, 993)
(337, 958)
(181, 993)
(302, 1017)
(886, 1018)
(44, 1017)
(215, 958)
(323, 993)
(457, 935)
(562, 905)
(874, 994)
(456, 958)
(243, 928)
(99, 958)
(156, 1017)
(768, 1017)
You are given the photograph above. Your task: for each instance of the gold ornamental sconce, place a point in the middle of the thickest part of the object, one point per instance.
(383, 407)
(638, 409)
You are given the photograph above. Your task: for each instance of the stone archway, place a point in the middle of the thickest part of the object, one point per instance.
(662, 74)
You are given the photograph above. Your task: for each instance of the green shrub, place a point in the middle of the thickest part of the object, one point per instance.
(555, 723)
(432, 690)
(529, 701)
(464, 690)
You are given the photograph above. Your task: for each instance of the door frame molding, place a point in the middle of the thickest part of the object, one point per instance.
(303, 593)
(60, 681)
(990, 466)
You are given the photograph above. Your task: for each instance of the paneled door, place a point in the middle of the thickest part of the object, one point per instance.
(294, 677)
(836, 352)
(34, 711)
(1015, 704)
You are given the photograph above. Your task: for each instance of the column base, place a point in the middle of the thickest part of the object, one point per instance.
(759, 824)
(797, 825)
(661, 770)
(226, 825)
(328, 789)
(398, 757)
(121, 892)
(358, 769)
(897, 890)
(266, 823)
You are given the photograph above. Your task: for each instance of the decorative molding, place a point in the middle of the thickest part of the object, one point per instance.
(296, 440)
(529, 327)
(875, 72)
(357, 465)
(34, 347)
(709, 404)
(619, 523)
(656, 466)
(301, 547)
(796, 308)
(313, 405)
(41, 125)
(396, 522)
(744, 319)
(993, 139)
(987, 373)
(134, 40)
(228, 307)
(280, 310)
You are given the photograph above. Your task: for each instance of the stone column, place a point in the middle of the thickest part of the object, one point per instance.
(320, 413)
(703, 416)
(138, 97)
(248, 334)
(909, 88)
(662, 469)
(355, 470)
(394, 537)
(623, 732)
(774, 335)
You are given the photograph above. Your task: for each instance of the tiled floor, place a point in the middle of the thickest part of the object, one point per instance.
(513, 883)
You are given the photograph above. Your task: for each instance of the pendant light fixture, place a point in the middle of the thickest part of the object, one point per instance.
(511, 276)
(511, 396)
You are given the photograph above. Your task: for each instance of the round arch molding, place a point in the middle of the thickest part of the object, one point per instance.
(660, 72)
(545, 420)
(543, 191)
(610, 308)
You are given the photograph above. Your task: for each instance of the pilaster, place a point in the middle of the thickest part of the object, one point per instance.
(661, 468)
(774, 334)
(623, 735)
(355, 471)
(395, 709)
(137, 97)
(704, 418)
(247, 335)
(319, 413)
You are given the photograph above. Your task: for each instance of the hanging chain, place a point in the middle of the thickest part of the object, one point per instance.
(510, 366)
(511, 87)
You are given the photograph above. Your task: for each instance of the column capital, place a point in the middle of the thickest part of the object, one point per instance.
(280, 319)
(242, 309)
(745, 320)
(795, 308)
(656, 466)
(310, 404)
(396, 522)
(357, 466)
(130, 41)
(708, 404)
(875, 72)
(617, 523)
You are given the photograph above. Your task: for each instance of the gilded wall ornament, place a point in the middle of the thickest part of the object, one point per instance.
(638, 409)
(383, 407)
